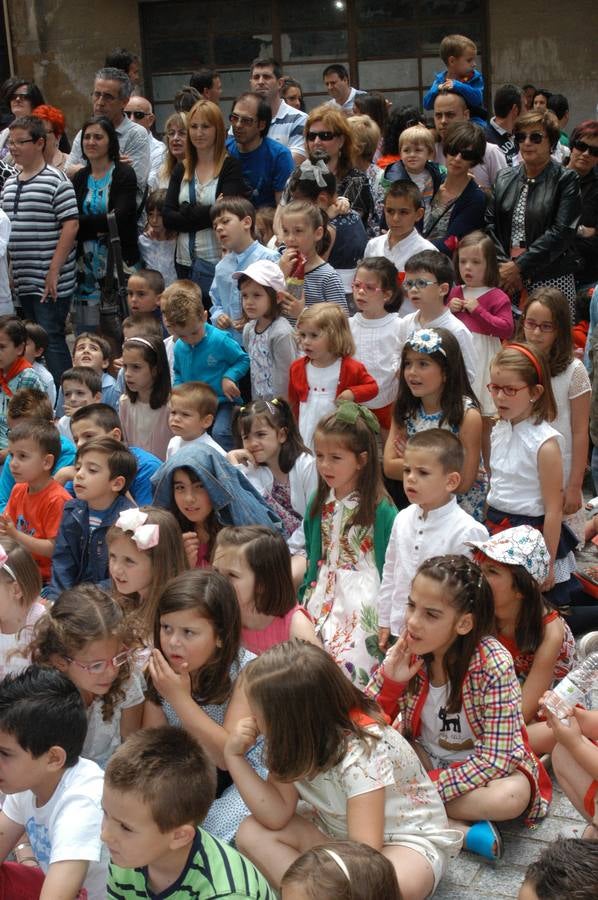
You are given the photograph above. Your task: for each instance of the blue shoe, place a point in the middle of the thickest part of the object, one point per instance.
(484, 839)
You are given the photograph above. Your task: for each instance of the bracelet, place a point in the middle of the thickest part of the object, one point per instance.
(27, 859)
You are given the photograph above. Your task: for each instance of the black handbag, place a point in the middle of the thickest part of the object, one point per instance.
(113, 297)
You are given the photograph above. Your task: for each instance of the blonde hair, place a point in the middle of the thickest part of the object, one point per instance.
(25, 571)
(329, 318)
(366, 136)
(176, 120)
(198, 395)
(181, 302)
(212, 115)
(455, 45)
(417, 134)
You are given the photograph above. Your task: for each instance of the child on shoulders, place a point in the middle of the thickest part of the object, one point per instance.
(458, 53)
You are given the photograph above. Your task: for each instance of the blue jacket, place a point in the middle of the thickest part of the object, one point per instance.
(471, 90)
(81, 556)
(68, 452)
(235, 500)
(215, 357)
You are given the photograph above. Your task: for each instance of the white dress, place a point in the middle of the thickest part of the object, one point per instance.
(378, 348)
(323, 385)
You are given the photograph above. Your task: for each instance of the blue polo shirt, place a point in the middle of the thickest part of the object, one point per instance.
(265, 169)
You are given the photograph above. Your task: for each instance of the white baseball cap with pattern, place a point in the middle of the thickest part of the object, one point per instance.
(520, 546)
(266, 273)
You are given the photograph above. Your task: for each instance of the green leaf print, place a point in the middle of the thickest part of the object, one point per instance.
(369, 619)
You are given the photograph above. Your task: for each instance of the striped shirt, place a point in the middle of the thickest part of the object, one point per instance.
(214, 870)
(287, 127)
(37, 209)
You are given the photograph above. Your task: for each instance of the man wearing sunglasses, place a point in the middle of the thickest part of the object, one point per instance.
(450, 107)
(266, 163)
(139, 110)
(111, 92)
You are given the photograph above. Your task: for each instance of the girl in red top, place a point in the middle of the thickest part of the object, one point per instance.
(516, 562)
(327, 374)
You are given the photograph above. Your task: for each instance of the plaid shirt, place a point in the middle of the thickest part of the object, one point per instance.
(491, 699)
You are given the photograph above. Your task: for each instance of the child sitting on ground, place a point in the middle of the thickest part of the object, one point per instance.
(15, 371)
(158, 788)
(34, 510)
(53, 794)
(93, 351)
(37, 344)
(193, 406)
(20, 606)
(103, 474)
(80, 386)
(567, 869)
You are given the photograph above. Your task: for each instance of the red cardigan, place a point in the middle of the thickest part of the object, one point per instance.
(353, 377)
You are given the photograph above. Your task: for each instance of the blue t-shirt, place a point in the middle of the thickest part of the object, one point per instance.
(265, 169)
(68, 452)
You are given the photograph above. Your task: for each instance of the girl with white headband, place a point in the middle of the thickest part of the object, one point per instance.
(20, 606)
(143, 408)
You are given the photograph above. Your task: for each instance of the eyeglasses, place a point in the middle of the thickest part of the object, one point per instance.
(19, 98)
(367, 287)
(466, 155)
(507, 389)
(582, 147)
(173, 134)
(234, 119)
(103, 95)
(20, 143)
(536, 137)
(100, 666)
(136, 114)
(418, 283)
(532, 325)
(323, 135)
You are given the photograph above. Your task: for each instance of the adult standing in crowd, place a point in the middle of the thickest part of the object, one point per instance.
(54, 123)
(450, 107)
(41, 205)
(533, 213)
(327, 133)
(287, 122)
(584, 161)
(208, 84)
(111, 92)
(105, 184)
(266, 163)
(336, 81)
(292, 93)
(508, 103)
(22, 97)
(207, 173)
(175, 141)
(140, 110)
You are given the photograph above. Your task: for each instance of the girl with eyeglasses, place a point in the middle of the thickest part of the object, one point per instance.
(584, 161)
(533, 211)
(526, 461)
(458, 205)
(86, 636)
(546, 325)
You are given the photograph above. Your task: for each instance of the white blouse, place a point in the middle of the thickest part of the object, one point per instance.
(514, 481)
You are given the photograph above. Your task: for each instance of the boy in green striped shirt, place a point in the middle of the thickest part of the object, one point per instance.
(158, 786)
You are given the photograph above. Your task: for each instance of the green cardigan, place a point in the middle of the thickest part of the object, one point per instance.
(386, 512)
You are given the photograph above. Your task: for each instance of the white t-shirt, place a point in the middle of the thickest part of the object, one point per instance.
(68, 826)
(446, 736)
(13, 643)
(204, 440)
(399, 254)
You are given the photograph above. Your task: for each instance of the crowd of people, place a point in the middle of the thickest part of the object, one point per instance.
(287, 552)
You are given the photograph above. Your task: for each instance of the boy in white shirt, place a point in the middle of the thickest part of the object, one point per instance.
(193, 406)
(53, 795)
(429, 277)
(403, 209)
(433, 525)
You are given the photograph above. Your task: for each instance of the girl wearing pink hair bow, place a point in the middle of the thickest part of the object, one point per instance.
(145, 550)
(20, 605)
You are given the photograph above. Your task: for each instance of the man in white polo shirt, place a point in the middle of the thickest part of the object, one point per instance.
(140, 110)
(287, 122)
(336, 80)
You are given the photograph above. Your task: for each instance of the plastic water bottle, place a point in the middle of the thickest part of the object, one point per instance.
(573, 688)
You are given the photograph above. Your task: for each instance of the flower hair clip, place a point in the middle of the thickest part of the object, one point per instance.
(426, 340)
(144, 536)
(4, 565)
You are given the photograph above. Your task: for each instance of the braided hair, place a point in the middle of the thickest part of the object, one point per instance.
(467, 591)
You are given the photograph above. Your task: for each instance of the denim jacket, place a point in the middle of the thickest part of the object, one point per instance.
(81, 555)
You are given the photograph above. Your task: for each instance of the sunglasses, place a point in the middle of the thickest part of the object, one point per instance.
(582, 147)
(466, 155)
(536, 137)
(234, 119)
(136, 114)
(323, 135)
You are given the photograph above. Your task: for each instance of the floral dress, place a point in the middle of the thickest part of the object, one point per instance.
(473, 502)
(343, 602)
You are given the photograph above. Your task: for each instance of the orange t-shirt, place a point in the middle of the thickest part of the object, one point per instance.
(38, 515)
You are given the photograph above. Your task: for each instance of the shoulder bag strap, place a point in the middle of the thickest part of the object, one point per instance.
(433, 222)
(116, 253)
(192, 201)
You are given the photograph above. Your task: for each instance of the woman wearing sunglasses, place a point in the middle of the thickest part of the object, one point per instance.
(533, 213)
(458, 205)
(584, 159)
(327, 134)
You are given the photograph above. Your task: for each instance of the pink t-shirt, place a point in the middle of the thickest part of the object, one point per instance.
(276, 632)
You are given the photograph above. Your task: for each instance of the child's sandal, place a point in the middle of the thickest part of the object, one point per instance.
(484, 839)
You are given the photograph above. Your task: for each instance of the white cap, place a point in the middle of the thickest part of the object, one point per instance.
(266, 273)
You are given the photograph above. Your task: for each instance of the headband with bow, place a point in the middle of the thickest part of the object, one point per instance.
(4, 565)
(144, 536)
(426, 340)
(349, 412)
(314, 172)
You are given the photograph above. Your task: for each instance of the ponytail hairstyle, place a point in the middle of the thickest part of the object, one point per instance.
(356, 433)
(467, 591)
(308, 709)
(78, 617)
(532, 367)
(388, 276)
(313, 216)
(277, 414)
(561, 352)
